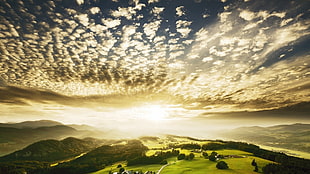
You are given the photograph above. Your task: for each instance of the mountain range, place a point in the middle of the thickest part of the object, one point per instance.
(14, 136)
(293, 137)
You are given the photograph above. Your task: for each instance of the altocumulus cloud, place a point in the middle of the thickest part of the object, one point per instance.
(242, 54)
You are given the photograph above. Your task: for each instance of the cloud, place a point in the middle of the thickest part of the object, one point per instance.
(182, 27)
(243, 55)
(151, 28)
(111, 23)
(157, 10)
(2, 82)
(180, 11)
(94, 10)
(83, 18)
(153, 1)
(80, 2)
(124, 12)
(247, 15)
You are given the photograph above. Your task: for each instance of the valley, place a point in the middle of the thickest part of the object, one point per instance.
(160, 154)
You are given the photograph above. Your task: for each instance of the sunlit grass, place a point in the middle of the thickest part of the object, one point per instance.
(201, 165)
(113, 168)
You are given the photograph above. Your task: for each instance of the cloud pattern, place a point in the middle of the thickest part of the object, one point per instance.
(202, 54)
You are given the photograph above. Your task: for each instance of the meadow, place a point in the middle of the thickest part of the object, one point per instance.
(239, 162)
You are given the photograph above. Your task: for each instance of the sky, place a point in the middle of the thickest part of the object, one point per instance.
(107, 62)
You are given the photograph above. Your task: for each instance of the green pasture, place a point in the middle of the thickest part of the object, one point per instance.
(199, 165)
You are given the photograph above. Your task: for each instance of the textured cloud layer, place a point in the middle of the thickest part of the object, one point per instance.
(202, 54)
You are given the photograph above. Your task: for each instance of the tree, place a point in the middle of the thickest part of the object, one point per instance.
(191, 156)
(222, 165)
(121, 170)
(212, 158)
(181, 156)
(214, 153)
(256, 169)
(205, 154)
(163, 162)
(254, 163)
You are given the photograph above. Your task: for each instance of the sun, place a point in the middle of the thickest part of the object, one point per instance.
(151, 112)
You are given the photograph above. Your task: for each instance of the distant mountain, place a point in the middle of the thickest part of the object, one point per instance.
(294, 136)
(15, 136)
(31, 124)
(12, 139)
(51, 150)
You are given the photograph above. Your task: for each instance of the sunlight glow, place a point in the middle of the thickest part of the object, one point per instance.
(150, 112)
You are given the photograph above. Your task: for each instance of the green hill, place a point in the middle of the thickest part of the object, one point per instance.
(12, 139)
(169, 155)
(51, 150)
(15, 136)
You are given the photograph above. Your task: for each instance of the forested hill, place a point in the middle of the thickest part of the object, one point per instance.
(15, 136)
(51, 150)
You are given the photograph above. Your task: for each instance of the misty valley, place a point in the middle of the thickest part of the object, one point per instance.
(50, 147)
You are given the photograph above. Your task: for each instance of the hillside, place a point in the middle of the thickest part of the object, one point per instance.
(169, 154)
(15, 136)
(12, 139)
(51, 150)
(294, 137)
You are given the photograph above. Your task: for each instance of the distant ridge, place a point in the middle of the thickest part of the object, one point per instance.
(14, 136)
(292, 136)
(31, 124)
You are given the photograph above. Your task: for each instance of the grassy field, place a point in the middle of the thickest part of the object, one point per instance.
(199, 165)
(114, 168)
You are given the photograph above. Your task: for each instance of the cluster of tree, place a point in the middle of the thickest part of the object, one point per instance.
(182, 156)
(159, 158)
(51, 150)
(188, 146)
(213, 156)
(22, 167)
(222, 165)
(287, 162)
(213, 146)
(255, 165)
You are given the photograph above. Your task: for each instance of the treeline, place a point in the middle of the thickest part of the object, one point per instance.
(159, 158)
(22, 167)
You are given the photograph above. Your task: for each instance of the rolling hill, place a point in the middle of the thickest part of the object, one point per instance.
(52, 150)
(148, 154)
(15, 136)
(294, 137)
